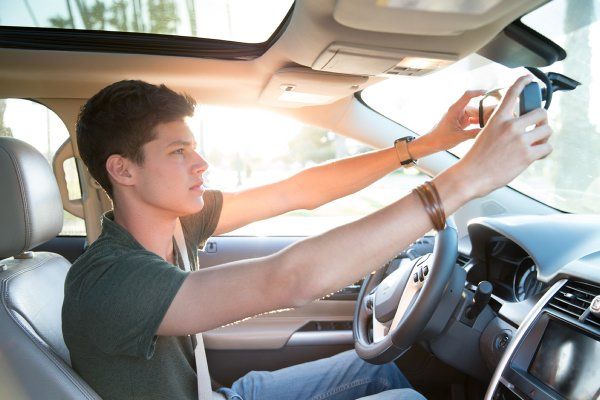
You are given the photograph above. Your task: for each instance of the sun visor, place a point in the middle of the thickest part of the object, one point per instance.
(520, 46)
(299, 87)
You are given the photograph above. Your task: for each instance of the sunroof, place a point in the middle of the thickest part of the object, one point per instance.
(245, 21)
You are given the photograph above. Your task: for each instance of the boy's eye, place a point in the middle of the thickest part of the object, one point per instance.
(178, 151)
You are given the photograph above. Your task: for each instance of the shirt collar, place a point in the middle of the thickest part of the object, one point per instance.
(113, 230)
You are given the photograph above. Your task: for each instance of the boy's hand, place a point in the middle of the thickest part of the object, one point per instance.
(504, 149)
(451, 130)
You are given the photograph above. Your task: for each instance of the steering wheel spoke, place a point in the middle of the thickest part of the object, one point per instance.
(418, 275)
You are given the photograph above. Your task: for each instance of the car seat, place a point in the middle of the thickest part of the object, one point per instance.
(34, 360)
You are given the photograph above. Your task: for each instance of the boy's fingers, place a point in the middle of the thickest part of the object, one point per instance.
(473, 112)
(539, 135)
(541, 151)
(537, 117)
(509, 101)
(465, 98)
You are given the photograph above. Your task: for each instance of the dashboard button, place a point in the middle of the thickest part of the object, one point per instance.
(501, 341)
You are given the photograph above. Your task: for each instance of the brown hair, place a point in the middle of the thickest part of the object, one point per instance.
(121, 118)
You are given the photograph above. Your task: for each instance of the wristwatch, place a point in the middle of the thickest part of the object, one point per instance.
(401, 145)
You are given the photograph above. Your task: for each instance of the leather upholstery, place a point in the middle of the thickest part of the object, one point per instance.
(34, 360)
(30, 203)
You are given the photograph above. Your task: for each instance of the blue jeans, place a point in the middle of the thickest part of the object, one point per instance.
(341, 377)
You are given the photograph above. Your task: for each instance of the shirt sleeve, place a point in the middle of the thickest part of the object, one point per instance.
(200, 226)
(124, 307)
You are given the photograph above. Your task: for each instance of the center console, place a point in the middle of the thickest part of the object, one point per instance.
(556, 351)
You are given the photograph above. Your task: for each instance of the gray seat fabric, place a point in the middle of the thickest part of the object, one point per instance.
(34, 360)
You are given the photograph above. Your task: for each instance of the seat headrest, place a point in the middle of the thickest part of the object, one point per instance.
(31, 210)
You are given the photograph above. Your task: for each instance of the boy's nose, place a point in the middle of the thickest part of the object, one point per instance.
(200, 164)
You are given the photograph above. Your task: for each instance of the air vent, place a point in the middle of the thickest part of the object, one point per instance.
(462, 260)
(574, 298)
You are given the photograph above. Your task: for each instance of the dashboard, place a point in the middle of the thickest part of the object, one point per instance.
(545, 272)
(510, 270)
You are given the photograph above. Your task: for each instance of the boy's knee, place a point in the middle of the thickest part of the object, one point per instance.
(398, 394)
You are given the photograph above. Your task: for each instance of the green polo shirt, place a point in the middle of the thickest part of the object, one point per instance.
(116, 295)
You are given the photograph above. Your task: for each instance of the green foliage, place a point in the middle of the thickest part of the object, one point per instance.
(4, 130)
(150, 16)
(312, 145)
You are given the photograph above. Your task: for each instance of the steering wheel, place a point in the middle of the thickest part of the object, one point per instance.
(397, 309)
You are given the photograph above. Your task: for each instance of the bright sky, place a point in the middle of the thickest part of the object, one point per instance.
(246, 131)
(30, 121)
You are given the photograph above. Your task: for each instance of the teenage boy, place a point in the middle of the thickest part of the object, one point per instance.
(129, 306)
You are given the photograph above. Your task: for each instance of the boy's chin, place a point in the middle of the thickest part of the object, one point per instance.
(192, 208)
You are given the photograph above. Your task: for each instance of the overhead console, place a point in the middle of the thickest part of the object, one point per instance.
(420, 23)
(348, 58)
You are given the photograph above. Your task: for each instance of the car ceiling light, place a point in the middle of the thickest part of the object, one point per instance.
(423, 63)
(287, 87)
(474, 7)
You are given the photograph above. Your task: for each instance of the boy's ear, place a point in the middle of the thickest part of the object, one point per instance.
(119, 169)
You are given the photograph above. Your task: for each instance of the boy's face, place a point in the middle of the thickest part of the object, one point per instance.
(171, 176)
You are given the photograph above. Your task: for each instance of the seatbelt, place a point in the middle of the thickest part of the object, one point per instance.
(204, 389)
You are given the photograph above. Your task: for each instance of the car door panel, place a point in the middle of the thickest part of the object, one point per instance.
(278, 339)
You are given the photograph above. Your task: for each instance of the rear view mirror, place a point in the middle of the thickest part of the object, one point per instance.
(532, 95)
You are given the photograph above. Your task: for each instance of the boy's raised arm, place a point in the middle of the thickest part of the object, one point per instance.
(322, 264)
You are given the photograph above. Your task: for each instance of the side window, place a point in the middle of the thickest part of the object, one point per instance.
(248, 148)
(42, 128)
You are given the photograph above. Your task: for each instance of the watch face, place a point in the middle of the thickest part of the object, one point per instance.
(405, 139)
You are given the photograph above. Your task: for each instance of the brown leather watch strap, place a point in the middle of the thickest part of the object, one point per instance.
(402, 151)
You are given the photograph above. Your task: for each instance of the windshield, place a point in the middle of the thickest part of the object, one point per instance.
(568, 179)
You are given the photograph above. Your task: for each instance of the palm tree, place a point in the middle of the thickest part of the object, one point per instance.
(151, 16)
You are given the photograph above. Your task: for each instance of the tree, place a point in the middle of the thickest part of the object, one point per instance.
(312, 145)
(4, 130)
(158, 16)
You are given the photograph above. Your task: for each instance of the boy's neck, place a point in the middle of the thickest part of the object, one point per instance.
(154, 231)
